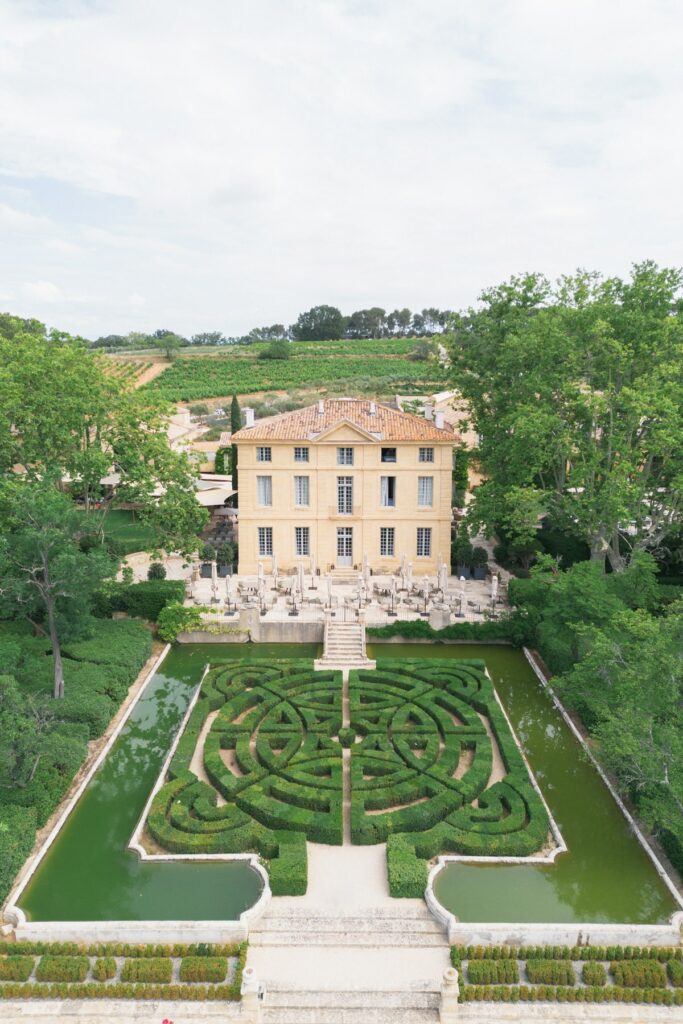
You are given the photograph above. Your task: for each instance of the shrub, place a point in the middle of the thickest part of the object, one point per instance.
(638, 973)
(675, 972)
(143, 600)
(153, 969)
(593, 973)
(16, 968)
(203, 968)
(104, 968)
(550, 972)
(176, 618)
(62, 968)
(17, 836)
(156, 571)
(493, 972)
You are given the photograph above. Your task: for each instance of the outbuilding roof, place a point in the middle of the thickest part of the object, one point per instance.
(371, 417)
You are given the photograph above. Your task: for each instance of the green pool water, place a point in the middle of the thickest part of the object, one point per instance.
(88, 874)
(606, 876)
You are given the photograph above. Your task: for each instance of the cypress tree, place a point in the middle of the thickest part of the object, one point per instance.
(235, 424)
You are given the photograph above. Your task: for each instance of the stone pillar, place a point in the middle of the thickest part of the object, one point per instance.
(252, 997)
(450, 990)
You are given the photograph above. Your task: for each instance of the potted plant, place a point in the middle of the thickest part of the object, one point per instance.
(226, 559)
(480, 562)
(461, 553)
(208, 556)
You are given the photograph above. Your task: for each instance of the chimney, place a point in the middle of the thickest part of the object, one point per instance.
(373, 408)
(249, 417)
(439, 419)
(429, 411)
(321, 406)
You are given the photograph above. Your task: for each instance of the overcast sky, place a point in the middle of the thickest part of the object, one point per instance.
(221, 165)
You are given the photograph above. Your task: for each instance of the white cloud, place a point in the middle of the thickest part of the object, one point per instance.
(236, 163)
(43, 292)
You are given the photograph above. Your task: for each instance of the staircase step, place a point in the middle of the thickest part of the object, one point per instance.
(375, 939)
(347, 1015)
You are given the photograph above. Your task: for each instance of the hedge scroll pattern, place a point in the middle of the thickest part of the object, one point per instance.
(420, 765)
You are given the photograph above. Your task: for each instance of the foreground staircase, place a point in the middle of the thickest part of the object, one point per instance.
(344, 646)
(345, 576)
(379, 966)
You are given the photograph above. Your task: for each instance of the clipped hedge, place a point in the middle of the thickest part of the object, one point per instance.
(550, 972)
(593, 973)
(155, 969)
(493, 972)
(144, 600)
(204, 968)
(62, 968)
(514, 628)
(16, 968)
(638, 973)
(104, 968)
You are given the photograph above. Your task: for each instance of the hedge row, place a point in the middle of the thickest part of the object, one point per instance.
(558, 994)
(661, 953)
(144, 600)
(122, 990)
(121, 949)
(513, 628)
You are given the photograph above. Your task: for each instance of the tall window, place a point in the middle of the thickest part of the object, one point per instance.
(344, 456)
(301, 454)
(301, 491)
(302, 540)
(264, 454)
(426, 455)
(265, 540)
(388, 455)
(345, 495)
(424, 541)
(425, 491)
(386, 541)
(264, 490)
(387, 491)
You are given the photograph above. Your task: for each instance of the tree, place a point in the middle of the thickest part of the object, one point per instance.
(577, 392)
(319, 323)
(235, 425)
(169, 343)
(64, 416)
(424, 350)
(208, 338)
(42, 567)
(276, 350)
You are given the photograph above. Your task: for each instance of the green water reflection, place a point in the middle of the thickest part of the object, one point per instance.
(88, 874)
(606, 875)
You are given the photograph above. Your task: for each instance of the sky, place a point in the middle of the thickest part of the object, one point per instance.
(221, 165)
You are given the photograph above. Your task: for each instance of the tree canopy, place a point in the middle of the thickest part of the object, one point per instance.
(576, 392)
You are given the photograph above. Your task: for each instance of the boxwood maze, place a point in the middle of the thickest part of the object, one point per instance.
(420, 762)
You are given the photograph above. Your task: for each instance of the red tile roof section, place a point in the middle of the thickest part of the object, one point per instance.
(302, 424)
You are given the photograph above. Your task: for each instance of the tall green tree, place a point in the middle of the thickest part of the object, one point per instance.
(235, 425)
(44, 574)
(319, 323)
(63, 415)
(577, 394)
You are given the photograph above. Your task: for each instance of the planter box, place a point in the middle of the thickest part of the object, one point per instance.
(480, 572)
(205, 570)
(225, 570)
(463, 570)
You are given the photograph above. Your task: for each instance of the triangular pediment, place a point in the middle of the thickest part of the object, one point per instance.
(345, 430)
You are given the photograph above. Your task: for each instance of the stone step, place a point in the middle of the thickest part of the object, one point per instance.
(325, 923)
(281, 995)
(376, 939)
(347, 1015)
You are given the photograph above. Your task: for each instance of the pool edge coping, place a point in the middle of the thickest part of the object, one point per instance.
(671, 932)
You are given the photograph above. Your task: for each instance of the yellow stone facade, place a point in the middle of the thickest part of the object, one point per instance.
(316, 517)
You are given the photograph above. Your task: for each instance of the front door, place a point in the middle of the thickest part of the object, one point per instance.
(344, 545)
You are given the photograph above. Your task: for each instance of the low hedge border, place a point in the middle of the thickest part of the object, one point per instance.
(558, 994)
(661, 953)
(121, 990)
(120, 949)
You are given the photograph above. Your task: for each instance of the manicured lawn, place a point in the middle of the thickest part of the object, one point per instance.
(127, 531)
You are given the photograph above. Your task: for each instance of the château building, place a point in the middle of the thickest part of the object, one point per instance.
(342, 479)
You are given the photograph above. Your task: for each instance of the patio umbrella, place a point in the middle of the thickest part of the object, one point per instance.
(366, 567)
(260, 571)
(409, 575)
(214, 581)
(274, 571)
(404, 562)
(443, 578)
(329, 590)
(494, 588)
(300, 570)
(313, 565)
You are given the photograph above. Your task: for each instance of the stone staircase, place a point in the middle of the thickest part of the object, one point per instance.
(344, 646)
(345, 576)
(380, 966)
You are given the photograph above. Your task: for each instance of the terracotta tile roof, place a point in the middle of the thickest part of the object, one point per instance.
(305, 424)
